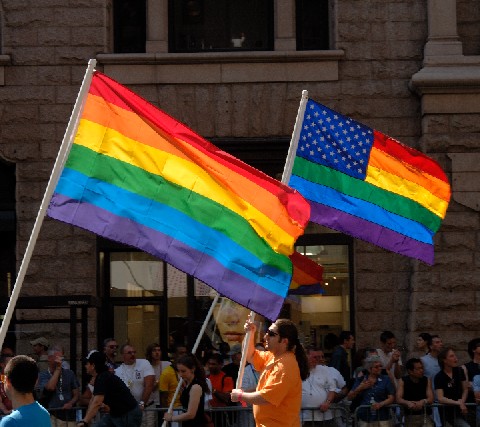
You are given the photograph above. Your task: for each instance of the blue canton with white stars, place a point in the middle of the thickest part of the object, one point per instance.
(336, 141)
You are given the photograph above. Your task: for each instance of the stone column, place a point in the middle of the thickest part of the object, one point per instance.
(442, 29)
(157, 26)
(284, 24)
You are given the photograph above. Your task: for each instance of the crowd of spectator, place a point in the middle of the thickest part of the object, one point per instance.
(366, 383)
(378, 378)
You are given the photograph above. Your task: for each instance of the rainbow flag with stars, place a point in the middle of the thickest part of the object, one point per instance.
(368, 185)
(137, 176)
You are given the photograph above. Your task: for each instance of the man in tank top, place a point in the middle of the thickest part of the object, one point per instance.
(414, 392)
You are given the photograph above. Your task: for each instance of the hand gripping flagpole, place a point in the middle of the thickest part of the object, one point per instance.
(54, 176)
(194, 350)
(287, 172)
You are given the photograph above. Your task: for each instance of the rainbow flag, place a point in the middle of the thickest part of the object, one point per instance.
(307, 276)
(137, 176)
(365, 184)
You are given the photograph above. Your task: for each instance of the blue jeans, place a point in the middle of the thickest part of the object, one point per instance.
(132, 418)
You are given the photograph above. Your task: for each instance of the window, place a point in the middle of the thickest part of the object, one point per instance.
(183, 26)
(129, 18)
(212, 25)
(140, 318)
(312, 24)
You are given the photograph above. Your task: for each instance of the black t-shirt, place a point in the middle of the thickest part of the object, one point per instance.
(414, 391)
(116, 394)
(452, 388)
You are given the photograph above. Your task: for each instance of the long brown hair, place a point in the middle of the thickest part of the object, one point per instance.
(191, 362)
(287, 329)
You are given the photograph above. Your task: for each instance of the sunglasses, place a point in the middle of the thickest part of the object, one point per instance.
(271, 333)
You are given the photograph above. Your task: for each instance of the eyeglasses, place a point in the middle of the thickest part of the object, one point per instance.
(271, 333)
(113, 346)
(130, 352)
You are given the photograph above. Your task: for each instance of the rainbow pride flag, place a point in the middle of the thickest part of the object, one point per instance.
(137, 176)
(307, 276)
(365, 184)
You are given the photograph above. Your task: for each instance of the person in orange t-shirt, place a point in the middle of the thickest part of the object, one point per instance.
(278, 398)
(222, 384)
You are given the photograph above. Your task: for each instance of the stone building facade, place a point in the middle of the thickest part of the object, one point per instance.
(410, 68)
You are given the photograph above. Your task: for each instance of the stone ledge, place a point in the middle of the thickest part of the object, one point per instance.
(449, 87)
(214, 68)
(447, 78)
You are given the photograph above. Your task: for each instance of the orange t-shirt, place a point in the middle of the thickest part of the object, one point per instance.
(225, 386)
(281, 386)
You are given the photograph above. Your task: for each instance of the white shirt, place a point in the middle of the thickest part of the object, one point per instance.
(315, 391)
(385, 358)
(133, 376)
(337, 379)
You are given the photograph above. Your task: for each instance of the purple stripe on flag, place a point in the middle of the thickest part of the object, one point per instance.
(199, 264)
(315, 289)
(370, 232)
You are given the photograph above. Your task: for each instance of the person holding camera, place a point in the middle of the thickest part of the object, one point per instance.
(59, 389)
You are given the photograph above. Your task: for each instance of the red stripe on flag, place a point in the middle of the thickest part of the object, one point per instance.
(409, 155)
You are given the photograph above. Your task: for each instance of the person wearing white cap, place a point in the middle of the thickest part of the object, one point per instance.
(110, 390)
(40, 347)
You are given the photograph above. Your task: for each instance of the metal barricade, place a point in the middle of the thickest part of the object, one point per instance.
(338, 415)
(387, 416)
(395, 415)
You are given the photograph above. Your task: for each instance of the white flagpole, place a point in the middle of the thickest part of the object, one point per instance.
(194, 350)
(243, 360)
(292, 150)
(54, 176)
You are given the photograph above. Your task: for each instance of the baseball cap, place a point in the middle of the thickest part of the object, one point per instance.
(96, 357)
(40, 340)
